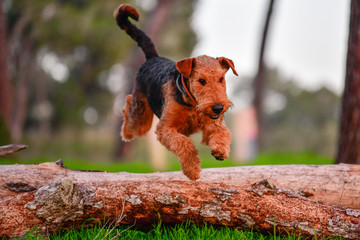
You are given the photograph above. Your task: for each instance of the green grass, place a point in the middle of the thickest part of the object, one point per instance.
(142, 166)
(159, 231)
(291, 158)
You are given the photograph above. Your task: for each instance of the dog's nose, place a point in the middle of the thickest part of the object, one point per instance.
(217, 108)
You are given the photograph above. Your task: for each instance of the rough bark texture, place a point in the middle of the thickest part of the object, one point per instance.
(349, 139)
(321, 200)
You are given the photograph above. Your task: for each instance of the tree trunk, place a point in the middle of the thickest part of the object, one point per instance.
(259, 81)
(321, 200)
(22, 92)
(349, 139)
(5, 85)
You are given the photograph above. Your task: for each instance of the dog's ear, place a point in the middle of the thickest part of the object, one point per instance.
(185, 66)
(227, 63)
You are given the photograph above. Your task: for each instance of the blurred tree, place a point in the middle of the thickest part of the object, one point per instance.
(349, 138)
(81, 37)
(15, 64)
(55, 52)
(260, 78)
(20, 59)
(5, 85)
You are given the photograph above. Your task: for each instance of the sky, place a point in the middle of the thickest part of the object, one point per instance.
(307, 41)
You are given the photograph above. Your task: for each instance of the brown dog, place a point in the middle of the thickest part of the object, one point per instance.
(187, 96)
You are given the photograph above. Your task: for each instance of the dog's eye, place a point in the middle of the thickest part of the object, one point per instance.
(202, 81)
(221, 80)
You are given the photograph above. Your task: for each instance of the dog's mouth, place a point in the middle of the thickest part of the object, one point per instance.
(214, 116)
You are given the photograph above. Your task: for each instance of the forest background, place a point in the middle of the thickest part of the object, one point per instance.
(70, 68)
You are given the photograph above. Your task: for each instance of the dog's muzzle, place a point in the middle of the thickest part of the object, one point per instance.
(217, 109)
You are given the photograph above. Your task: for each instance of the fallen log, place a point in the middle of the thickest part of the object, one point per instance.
(314, 200)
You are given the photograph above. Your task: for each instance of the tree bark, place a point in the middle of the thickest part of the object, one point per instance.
(321, 200)
(349, 138)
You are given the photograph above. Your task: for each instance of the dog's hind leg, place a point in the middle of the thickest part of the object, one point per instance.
(138, 116)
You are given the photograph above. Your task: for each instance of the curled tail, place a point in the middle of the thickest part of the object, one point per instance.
(144, 42)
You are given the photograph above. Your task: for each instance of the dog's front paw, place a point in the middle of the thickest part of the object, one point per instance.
(220, 152)
(192, 174)
(192, 171)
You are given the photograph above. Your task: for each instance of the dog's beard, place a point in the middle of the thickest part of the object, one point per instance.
(214, 116)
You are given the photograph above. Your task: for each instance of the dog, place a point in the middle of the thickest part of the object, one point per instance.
(187, 96)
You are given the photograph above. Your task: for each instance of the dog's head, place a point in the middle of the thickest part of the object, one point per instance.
(206, 82)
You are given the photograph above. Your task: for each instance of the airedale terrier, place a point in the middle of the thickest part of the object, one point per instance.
(187, 96)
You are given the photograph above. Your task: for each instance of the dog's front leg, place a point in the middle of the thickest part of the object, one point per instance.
(218, 137)
(181, 146)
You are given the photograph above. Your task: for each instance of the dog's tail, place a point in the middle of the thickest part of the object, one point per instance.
(144, 42)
